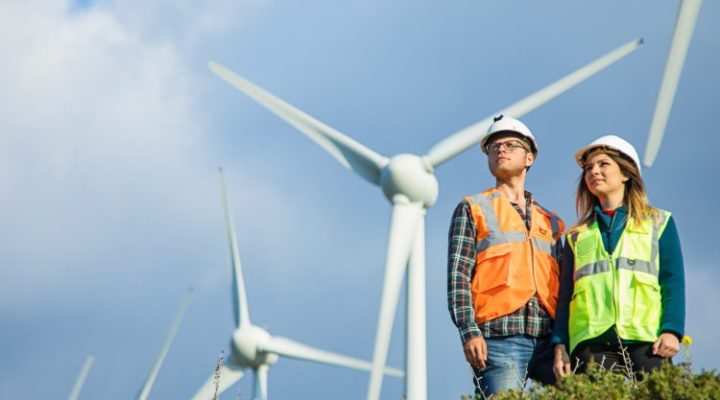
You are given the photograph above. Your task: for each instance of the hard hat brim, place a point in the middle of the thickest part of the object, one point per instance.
(582, 154)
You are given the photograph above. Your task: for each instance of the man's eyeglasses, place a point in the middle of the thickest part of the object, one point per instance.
(509, 145)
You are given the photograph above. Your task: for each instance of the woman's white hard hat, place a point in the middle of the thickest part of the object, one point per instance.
(503, 124)
(612, 142)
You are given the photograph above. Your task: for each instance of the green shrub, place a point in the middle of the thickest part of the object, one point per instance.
(668, 383)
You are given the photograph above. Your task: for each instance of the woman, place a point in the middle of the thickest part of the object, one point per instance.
(622, 286)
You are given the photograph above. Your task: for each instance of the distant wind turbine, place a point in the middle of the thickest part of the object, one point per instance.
(80, 381)
(408, 182)
(687, 17)
(253, 347)
(147, 387)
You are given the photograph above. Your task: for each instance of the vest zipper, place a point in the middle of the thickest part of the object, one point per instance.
(613, 269)
(532, 252)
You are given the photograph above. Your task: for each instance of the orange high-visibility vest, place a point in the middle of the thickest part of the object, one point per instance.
(512, 264)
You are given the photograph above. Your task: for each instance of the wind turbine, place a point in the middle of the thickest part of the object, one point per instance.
(687, 16)
(408, 182)
(80, 381)
(147, 387)
(253, 347)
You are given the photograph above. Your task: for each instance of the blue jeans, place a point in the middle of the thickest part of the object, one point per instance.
(513, 359)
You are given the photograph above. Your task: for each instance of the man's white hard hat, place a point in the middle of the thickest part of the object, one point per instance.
(611, 142)
(503, 124)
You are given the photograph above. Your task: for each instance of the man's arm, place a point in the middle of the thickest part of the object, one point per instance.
(461, 263)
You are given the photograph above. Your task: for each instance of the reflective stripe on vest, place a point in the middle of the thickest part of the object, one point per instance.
(512, 264)
(619, 289)
(620, 262)
(492, 224)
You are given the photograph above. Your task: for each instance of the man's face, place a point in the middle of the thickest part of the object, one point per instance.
(509, 156)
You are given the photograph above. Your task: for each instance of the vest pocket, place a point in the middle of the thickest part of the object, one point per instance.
(492, 269)
(580, 289)
(584, 299)
(646, 300)
(580, 307)
(585, 250)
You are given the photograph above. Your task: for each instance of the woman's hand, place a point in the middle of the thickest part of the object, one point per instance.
(561, 364)
(666, 346)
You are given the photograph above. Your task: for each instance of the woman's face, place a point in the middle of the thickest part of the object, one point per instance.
(603, 176)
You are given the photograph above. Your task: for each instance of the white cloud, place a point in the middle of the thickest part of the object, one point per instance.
(106, 158)
(101, 143)
(185, 21)
(82, 91)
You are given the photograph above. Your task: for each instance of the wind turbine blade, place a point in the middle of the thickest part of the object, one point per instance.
(227, 375)
(145, 391)
(348, 152)
(470, 136)
(292, 349)
(261, 377)
(404, 221)
(80, 381)
(689, 10)
(240, 303)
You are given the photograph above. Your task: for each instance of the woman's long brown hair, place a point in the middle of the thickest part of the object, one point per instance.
(634, 197)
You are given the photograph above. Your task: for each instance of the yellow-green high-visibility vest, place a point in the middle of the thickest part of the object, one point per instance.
(619, 289)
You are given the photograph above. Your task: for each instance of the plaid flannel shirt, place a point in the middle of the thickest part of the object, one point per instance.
(531, 319)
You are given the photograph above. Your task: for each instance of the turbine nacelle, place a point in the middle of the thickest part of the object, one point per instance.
(411, 176)
(246, 347)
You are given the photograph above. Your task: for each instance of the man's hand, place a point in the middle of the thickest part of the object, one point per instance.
(561, 364)
(476, 352)
(666, 346)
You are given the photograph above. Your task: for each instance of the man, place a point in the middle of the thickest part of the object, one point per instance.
(503, 268)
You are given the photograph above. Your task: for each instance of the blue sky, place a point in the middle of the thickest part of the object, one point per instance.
(112, 127)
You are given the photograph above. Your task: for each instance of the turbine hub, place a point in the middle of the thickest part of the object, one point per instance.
(244, 347)
(411, 176)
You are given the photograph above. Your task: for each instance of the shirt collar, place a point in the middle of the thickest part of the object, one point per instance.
(605, 220)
